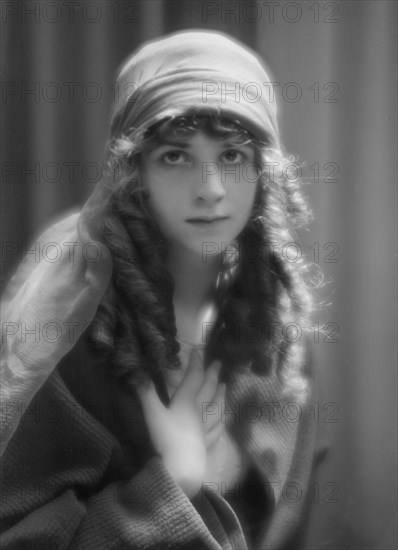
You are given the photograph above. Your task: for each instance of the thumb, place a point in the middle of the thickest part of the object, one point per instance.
(192, 380)
(149, 398)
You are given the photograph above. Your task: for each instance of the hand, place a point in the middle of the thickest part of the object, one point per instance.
(178, 432)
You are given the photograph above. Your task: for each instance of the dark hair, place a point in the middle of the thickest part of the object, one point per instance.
(258, 290)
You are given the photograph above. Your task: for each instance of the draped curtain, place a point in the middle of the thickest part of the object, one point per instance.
(334, 68)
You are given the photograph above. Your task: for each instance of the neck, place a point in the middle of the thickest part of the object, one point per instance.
(194, 279)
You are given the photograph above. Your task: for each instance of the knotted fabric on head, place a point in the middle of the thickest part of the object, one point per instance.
(190, 72)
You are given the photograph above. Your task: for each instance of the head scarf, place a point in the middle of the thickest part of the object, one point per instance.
(195, 72)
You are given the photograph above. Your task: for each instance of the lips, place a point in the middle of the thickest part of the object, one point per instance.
(206, 219)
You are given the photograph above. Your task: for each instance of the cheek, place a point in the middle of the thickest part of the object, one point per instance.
(247, 199)
(244, 197)
(166, 202)
(161, 207)
(158, 191)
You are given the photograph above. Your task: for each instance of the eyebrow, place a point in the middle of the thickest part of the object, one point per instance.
(236, 143)
(184, 145)
(169, 142)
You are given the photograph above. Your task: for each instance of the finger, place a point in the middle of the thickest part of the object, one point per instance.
(211, 410)
(219, 396)
(192, 380)
(214, 434)
(210, 382)
(149, 398)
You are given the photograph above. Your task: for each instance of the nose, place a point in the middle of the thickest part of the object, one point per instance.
(209, 184)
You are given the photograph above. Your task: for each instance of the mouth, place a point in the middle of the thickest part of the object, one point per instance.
(207, 220)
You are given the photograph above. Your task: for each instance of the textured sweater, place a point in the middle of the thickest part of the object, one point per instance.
(80, 470)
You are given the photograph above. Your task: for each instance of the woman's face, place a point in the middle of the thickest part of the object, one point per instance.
(202, 190)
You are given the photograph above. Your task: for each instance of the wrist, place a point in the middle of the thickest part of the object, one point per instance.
(187, 473)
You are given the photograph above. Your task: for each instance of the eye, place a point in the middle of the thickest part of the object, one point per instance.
(233, 156)
(173, 158)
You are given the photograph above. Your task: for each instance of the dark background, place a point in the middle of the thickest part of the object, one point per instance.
(52, 143)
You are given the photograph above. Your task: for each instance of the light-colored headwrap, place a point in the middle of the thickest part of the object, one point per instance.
(185, 73)
(195, 71)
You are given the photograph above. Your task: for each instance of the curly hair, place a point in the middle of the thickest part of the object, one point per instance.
(260, 295)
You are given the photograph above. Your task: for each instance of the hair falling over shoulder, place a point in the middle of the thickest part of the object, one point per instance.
(259, 293)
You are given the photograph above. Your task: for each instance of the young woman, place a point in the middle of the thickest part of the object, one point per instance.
(179, 418)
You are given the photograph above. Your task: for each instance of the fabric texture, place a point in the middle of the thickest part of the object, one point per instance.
(80, 471)
(195, 70)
